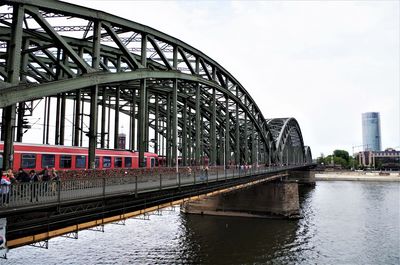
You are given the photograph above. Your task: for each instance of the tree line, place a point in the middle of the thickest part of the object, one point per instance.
(339, 157)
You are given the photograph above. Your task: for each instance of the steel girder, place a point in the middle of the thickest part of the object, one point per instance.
(308, 155)
(105, 53)
(290, 147)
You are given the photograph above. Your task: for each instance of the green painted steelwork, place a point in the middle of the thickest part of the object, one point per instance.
(193, 106)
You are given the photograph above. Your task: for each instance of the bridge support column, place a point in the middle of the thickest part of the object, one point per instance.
(184, 134)
(77, 117)
(8, 123)
(2, 132)
(57, 129)
(93, 127)
(133, 120)
(213, 151)
(103, 118)
(303, 177)
(198, 127)
(168, 133)
(116, 122)
(142, 123)
(253, 144)
(264, 200)
(94, 92)
(147, 122)
(47, 121)
(13, 73)
(237, 136)
(20, 121)
(202, 138)
(175, 123)
(21, 105)
(156, 124)
(246, 144)
(269, 154)
(190, 137)
(62, 117)
(221, 144)
(108, 121)
(227, 137)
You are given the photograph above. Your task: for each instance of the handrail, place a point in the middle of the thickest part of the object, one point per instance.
(40, 193)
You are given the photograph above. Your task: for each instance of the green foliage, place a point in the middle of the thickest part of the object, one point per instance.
(339, 157)
(342, 153)
(321, 160)
(353, 162)
(340, 161)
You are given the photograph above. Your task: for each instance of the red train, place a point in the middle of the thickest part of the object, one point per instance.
(37, 157)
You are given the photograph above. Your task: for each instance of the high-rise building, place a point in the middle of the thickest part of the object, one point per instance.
(371, 131)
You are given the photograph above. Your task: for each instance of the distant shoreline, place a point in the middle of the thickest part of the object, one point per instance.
(357, 176)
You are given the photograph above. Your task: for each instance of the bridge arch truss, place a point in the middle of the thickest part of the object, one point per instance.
(102, 67)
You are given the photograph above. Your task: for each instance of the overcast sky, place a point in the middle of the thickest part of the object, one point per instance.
(322, 62)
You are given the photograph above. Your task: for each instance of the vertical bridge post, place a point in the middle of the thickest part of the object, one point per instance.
(13, 70)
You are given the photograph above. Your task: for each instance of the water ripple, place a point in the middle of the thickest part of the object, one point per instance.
(343, 223)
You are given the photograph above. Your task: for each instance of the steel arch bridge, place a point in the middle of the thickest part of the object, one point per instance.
(175, 96)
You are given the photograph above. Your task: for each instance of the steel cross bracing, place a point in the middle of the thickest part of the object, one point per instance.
(177, 98)
(289, 141)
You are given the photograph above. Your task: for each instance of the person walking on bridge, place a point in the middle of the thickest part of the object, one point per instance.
(206, 172)
(45, 174)
(34, 179)
(45, 177)
(54, 178)
(22, 176)
(5, 188)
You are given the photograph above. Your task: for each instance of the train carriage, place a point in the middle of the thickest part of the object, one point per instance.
(37, 157)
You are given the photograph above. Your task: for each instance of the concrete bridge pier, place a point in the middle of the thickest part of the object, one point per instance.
(276, 199)
(303, 177)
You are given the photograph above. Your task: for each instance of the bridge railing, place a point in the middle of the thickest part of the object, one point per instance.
(34, 193)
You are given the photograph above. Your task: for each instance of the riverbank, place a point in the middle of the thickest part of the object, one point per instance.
(357, 176)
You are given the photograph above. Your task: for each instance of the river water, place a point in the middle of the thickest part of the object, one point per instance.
(343, 223)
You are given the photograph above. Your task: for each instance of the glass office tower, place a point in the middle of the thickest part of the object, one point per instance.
(371, 130)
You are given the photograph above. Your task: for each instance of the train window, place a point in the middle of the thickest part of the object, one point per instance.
(65, 161)
(80, 161)
(118, 162)
(152, 162)
(97, 162)
(1, 160)
(48, 161)
(128, 161)
(28, 160)
(156, 162)
(106, 161)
